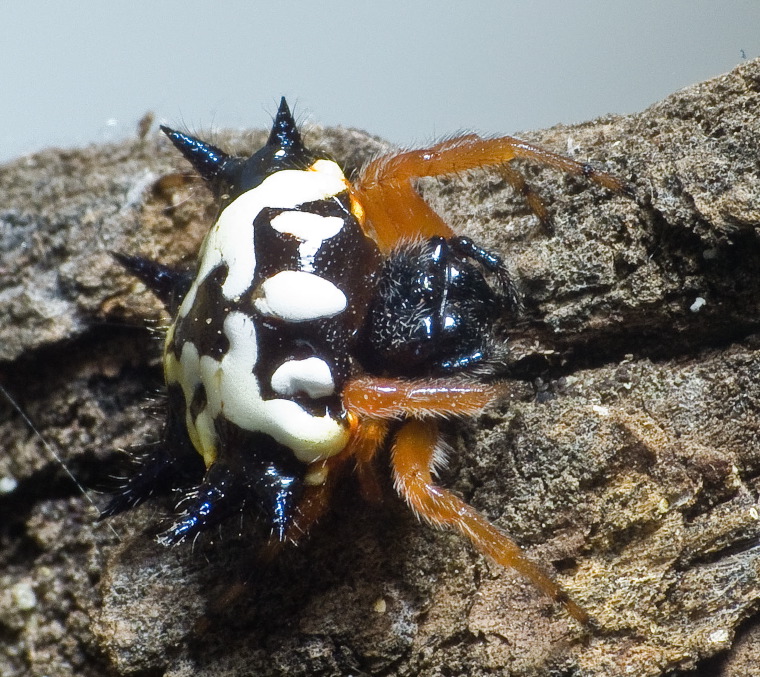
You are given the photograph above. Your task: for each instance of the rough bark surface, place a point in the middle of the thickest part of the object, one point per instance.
(627, 459)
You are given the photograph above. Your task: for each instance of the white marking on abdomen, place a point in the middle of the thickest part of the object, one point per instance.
(311, 376)
(312, 229)
(230, 239)
(233, 392)
(307, 226)
(298, 296)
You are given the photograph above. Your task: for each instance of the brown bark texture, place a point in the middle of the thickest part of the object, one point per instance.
(626, 459)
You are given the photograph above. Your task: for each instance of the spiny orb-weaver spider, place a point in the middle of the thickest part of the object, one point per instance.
(326, 320)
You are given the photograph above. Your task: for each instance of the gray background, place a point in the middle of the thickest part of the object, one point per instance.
(73, 73)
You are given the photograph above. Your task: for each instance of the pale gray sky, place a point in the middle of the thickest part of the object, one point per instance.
(73, 73)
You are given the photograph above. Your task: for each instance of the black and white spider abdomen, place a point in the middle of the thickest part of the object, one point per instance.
(263, 336)
(326, 321)
(261, 345)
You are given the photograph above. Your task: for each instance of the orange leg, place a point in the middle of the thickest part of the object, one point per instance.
(394, 398)
(412, 457)
(312, 506)
(374, 400)
(370, 435)
(391, 206)
(393, 211)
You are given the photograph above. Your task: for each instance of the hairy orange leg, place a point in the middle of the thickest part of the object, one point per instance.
(471, 152)
(412, 457)
(386, 201)
(369, 437)
(317, 496)
(393, 398)
(375, 400)
(393, 211)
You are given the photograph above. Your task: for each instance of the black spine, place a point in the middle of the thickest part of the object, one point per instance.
(207, 160)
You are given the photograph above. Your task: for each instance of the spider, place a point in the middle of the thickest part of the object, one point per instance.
(327, 320)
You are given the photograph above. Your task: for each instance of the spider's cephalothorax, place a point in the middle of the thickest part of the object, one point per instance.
(325, 321)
